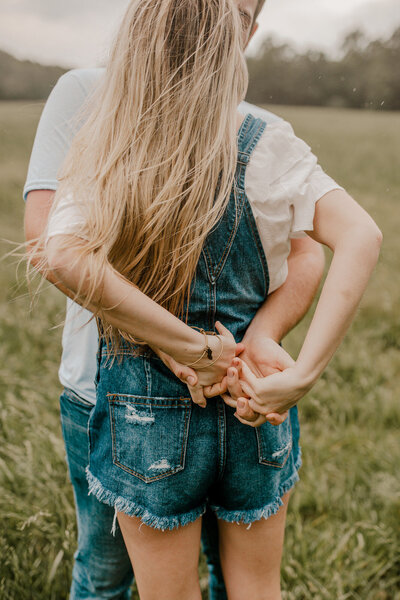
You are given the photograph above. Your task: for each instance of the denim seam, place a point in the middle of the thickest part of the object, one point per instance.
(213, 307)
(245, 154)
(221, 438)
(259, 126)
(112, 397)
(244, 128)
(147, 371)
(239, 213)
(261, 254)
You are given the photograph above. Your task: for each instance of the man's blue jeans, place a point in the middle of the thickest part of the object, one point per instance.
(102, 569)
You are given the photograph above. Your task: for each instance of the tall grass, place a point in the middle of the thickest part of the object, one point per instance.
(343, 533)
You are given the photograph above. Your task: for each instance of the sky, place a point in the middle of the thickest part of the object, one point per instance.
(77, 33)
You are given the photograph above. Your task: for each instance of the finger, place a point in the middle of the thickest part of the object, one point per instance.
(276, 418)
(197, 395)
(239, 348)
(244, 411)
(229, 400)
(234, 387)
(237, 363)
(259, 408)
(222, 329)
(246, 373)
(257, 423)
(184, 373)
(217, 389)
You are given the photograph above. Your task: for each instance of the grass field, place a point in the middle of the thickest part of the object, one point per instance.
(343, 531)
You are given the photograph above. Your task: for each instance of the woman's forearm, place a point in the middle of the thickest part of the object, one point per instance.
(354, 259)
(125, 307)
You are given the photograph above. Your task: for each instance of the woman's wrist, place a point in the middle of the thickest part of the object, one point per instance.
(307, 374)
(205, 352)
(191, 350)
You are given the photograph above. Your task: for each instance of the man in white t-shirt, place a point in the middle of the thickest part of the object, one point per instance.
(102, 568)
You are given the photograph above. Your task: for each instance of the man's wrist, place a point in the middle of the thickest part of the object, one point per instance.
(250, 338)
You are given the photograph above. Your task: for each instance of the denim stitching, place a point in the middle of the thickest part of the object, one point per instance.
(147, 370)
(221, 439)
(245, 127)
(260, 250)
(172, 471)
(239, 212)
(265, 461)
(112, 397)
(229, 242)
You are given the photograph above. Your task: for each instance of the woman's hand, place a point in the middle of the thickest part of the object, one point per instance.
(263, 356)
(195, 380)
(276, 393)
(224, 349)
(236, 398)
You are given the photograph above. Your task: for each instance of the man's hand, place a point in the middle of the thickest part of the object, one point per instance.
(264, 357)
(277, 393)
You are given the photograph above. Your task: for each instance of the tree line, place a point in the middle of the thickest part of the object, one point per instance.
(366, 76)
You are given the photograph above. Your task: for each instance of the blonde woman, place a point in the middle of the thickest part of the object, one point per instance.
(173, 215)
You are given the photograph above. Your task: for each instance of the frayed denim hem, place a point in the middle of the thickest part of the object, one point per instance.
(250, 516)
(132, 509)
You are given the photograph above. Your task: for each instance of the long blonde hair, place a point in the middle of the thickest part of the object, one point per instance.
(153, 166)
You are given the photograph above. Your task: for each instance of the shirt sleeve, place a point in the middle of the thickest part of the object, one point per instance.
(67, 217)
(303, 183)
(57, 127)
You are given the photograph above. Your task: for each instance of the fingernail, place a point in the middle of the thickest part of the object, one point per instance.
(191, 380)
(241, 404)
(231, 372)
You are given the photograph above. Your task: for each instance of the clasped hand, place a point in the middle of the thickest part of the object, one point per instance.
(262, 382)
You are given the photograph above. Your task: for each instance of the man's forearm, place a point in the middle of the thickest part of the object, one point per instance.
(286, 306)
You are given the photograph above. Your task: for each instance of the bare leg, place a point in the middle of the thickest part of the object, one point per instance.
(251, 558)
(165, 562)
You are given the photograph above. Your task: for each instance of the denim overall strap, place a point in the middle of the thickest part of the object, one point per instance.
(232, 280)
(249, 134)
(219, 242)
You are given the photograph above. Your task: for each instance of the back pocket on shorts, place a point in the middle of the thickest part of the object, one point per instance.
(149, 435)
(274, 443)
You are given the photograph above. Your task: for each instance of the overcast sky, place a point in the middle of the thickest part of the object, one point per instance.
(76, 33)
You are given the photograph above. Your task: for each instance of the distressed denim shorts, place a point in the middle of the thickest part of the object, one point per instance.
(163, 459)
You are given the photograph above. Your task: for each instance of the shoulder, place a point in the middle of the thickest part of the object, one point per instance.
(279, 151)
(72, 89)
(60, 120)
(258, 112)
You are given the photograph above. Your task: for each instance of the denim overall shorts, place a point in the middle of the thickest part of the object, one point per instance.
(156, 455)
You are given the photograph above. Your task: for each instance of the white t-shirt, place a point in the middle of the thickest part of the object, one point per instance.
(283, 183)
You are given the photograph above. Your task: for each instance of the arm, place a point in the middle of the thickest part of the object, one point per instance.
(38, 205)
(286, 306)
(37, 208)
(280, 313)
(126, 308)
(347, 229)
